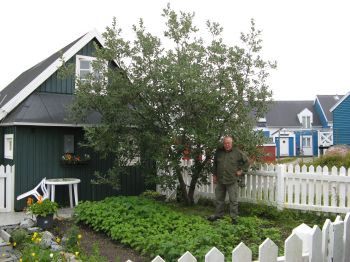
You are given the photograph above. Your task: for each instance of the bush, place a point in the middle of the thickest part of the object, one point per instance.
(333, 160)
(150, 194)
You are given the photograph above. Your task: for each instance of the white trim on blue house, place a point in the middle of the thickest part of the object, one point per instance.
(26, 91)
(339, 102)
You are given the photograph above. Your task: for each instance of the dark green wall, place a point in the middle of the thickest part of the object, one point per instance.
(38, 151)
(55, 84)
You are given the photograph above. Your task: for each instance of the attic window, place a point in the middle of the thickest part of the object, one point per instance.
(84, 66)
(306, 121)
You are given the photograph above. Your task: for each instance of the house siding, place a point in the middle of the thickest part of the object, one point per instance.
(320, 114)
(291, 146)
(341, 123)
(38, 151)
(56, 84)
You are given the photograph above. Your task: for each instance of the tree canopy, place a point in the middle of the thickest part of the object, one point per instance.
(167, 102)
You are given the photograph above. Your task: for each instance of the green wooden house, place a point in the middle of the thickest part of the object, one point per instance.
(35, 132)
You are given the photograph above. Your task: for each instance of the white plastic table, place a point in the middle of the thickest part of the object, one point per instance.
(71, 182)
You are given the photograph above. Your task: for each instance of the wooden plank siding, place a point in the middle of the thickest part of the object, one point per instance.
(38, 151)
(55, 84)
(341, 123)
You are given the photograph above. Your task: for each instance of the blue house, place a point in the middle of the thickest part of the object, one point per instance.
(341, 120)
(300, 128)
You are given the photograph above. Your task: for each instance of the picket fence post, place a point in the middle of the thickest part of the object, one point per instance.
(346, 238)
(281, 169)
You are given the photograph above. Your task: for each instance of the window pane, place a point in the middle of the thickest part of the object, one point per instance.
(84, 74)
(68, 145)
(84, 64)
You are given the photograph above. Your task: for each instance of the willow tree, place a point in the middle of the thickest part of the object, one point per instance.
(174, 100)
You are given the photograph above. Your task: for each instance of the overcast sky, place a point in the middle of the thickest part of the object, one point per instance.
(310, 40)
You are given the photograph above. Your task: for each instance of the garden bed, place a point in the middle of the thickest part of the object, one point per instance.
(108, 248)
(169, 229)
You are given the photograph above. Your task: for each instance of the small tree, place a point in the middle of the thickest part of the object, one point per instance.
(167, 102)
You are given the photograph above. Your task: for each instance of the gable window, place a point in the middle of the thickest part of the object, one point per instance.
(8, 146)
(84, 66)
(306, 121)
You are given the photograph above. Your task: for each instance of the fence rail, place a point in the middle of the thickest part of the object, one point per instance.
(7, 187)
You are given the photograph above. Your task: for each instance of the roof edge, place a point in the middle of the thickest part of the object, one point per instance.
(339, 102)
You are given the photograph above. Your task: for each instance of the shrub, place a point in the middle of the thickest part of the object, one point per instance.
(150, 194)
(333, 160)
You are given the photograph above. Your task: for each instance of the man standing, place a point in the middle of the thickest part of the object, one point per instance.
(229, 163)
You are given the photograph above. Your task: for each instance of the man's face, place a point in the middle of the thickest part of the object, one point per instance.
(228, 143)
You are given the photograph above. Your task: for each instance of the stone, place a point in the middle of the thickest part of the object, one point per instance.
(27, 223)
(56, 247)
(47, 239)
(33, 229)
(341, 150)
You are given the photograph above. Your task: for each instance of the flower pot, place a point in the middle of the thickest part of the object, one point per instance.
(44, 222)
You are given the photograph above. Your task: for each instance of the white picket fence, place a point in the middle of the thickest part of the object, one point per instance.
(317, 189)
(305, 244)
(7, 188)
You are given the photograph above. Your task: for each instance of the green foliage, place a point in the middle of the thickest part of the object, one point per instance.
(72, 243)
(333, 160)
(286, 160)
(153, 195)
(19, 236)
(95, 256)
(153, 228)
(160, 100)
(33, 253)
(43, 208)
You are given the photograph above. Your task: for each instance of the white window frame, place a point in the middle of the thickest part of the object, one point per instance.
(308, 142)
(91, 70)
(79, 58)
(8, 146)
(306, 122)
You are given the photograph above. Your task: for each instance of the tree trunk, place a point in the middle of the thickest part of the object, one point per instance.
(183, 187)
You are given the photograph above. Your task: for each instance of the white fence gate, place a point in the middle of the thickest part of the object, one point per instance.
(7, 188)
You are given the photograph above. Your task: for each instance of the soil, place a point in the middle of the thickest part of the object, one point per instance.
(112, 250)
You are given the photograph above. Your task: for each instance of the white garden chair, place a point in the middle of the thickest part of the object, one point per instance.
(35, 192)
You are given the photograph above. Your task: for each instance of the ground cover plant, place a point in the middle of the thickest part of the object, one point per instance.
(170, 229)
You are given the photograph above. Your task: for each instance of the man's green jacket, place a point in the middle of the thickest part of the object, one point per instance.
(227, 163)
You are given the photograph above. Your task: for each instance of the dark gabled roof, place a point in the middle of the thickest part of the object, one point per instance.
(46, 108)
(327, 102)
(26, 77)
(285, 113)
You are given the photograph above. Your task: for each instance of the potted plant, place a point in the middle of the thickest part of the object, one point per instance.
(44, 211)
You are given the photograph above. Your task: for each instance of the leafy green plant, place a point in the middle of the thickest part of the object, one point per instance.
(43, 207)
(154, 228)
(19, 237)
(153, 195)
(73, 239)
